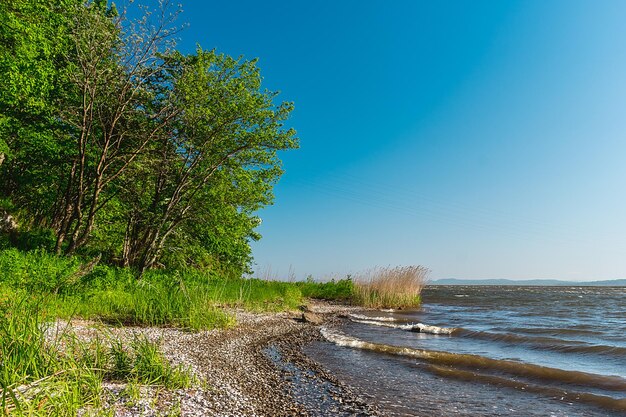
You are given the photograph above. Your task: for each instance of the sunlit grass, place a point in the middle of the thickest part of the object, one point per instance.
(398, 287)
(61, 374)
(193, 299)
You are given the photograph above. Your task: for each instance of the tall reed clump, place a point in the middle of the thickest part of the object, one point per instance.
(397, 287)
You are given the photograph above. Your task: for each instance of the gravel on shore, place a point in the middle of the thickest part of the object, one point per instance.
(256, 368)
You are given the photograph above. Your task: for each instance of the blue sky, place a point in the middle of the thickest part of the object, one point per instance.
(480, 139)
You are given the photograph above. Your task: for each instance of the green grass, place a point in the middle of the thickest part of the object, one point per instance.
(148, 366)
(191, 299)
(40, 378)
(341, 290)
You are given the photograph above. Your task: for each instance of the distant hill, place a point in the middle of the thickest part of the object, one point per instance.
(530, 282)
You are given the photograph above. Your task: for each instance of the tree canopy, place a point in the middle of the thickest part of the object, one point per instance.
(112, 142)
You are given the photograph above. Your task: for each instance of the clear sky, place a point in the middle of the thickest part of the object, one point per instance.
(479, 139)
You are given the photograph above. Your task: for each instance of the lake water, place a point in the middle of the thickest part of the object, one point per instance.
(489, 351)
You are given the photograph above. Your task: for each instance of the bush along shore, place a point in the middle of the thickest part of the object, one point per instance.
(79, 338)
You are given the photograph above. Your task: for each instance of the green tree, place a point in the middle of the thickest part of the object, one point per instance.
(220, 155)
(116, 144)
(119, 111)
(34, 43)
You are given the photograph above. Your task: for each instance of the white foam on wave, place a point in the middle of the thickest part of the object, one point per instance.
(411, 327)
(425, 328)
(378, 318)
(384, 324)
(341, 339)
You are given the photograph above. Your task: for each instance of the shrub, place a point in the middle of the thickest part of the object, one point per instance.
(342, 290)
(39, 238)
(36, 271)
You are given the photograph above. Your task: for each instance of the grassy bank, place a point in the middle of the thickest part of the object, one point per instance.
(187, 299)
(60, 376)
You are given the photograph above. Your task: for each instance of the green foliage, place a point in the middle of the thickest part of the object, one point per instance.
(34, 45)
(200, 187)
(37, 272)
(113, 143)
(36, 238)
(342, 290)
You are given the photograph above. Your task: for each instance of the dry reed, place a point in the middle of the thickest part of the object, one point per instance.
(397, 287)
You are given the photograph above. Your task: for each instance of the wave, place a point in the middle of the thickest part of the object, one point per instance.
(411, 327)
(554, 392)
(546, 343)
(557, 331)
(477, 362)
(534, 342)
(374, 318)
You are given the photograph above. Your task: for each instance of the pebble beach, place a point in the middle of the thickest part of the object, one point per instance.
(256, 368)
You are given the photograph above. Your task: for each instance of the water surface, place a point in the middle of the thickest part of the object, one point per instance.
(501, 350)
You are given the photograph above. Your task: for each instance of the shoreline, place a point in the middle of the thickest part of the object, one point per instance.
(256, 368)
